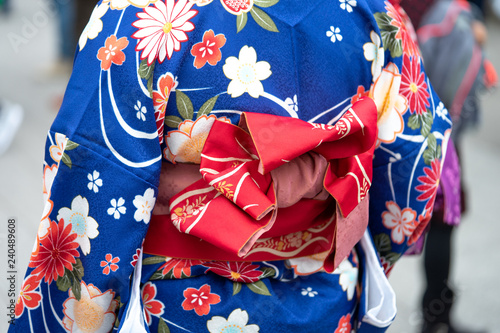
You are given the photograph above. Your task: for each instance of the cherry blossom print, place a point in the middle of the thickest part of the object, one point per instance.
(374, 52)
(199, 300)
(235, 271)
(348, 5)
(57, 150)
(144, 204)
(112, 52)
(237, 7)
(429, 184)
(117, 208)
(413, 85)
(344, 324)
(348, 277)
(152, 306)
(163, 28)
(166, 83)
(180, 268)
(236, 322)
(401, 222)
(135, 257)
(208, 50)
(122, 4)
(245, 73)
(94, 181)
(83, 225)
(334, 34)
(94, 312)
(94, 26)
(28, 298)
(110, 264)
(308, 292)
(58, 250)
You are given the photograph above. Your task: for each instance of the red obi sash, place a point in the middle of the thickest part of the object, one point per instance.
(232, 213)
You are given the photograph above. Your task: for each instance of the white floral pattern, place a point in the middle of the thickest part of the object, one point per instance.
(334, 34)
(82, 224)
(94, 181)
(95, 25)
(348, 4)
(348, 277)
(308, 292)
(375, 53)
(144, 204)
(117, 208)
(236, 322)
(246, 73)
(141, 111)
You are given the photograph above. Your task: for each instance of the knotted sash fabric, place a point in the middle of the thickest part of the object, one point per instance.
(224, 215)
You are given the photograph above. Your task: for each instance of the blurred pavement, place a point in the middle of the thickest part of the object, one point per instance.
(22, 62)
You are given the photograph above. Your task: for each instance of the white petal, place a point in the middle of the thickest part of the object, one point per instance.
(92, 226)
(236, 88)
(248, 55)
(121, 201)
(255, 89)
(263, 70)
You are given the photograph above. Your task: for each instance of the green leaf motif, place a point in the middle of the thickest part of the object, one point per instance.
(427, 121)
(76, 289)
(236, 288)
(392, 257)
(145, 71)
(63, 283)
(67, 160)
(70, 145)
(414, 121)
(184, 105)
(150, 86)
(207, 107)
(172, 121)
(267, 272)
(382, 243)
(389, 32)
(153, 260)
(263, 19)
(78, 270)
(259, 287)
(241, 21)
(432, 150)
(265, 3)
(162, 326)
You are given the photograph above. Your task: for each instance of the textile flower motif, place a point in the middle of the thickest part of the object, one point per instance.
(58, 251)
(135, 257)
(348, 4)
(308, 292)
(83, 225)
(402, 222)
(94, 26)
(94, 312)
(405, 32)
(49, 174)
(309, 264)
(360, 93)
(57, 150)
(152, 307)
(117, 208)
(186, 143)
(344, 324)
(348, 277)
(246, 73)
(179, 267)
(208, 50)
(162, 28)
(141, 111)
(109, 264)
(28, 297)
(413, 85)
(334, 34)
(237, 322)
(237, 7)
(122, 4)
(144, 204)
(430, 183)
(166, 83)
(236, 271)
(112, 52)
(94, 181)
(423, 221)
(375, 53)
(390, 104)
(199, 300)
(292, 104)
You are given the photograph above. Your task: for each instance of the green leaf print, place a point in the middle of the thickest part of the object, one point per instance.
(172, 121)
(241, 21)
(145, 71)
(388, 33)
(382, 243)
(162, 326)
(236, 288)
(259, 287)
(70, 145)
(153, 260)
(427, 121)
(184, 105)
(265, 3)
(207, 107)
(263, 19)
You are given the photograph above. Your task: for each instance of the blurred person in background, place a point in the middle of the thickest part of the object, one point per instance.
(297, 105)
(11, 116)
(451, 35)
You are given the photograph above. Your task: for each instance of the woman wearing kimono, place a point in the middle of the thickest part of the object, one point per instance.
(234, 166)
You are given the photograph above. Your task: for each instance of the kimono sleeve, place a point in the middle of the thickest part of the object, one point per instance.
(413, 132)
(101, 173)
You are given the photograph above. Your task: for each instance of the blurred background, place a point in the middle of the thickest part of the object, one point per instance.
(34, 71)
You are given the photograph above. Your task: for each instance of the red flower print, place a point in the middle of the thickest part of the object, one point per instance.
(109, 264)
(208, 50)
(152, 307)
(135, 257)
(360, 94)
(112, 52)
(402, 222)
(166, 83)
(406, 33)
(430, 183)
(237, 271)
(57, 251)
(344, 324)
(199, 300)
(28, 297)
(423, 222)
(179, 267)
(413, 85)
